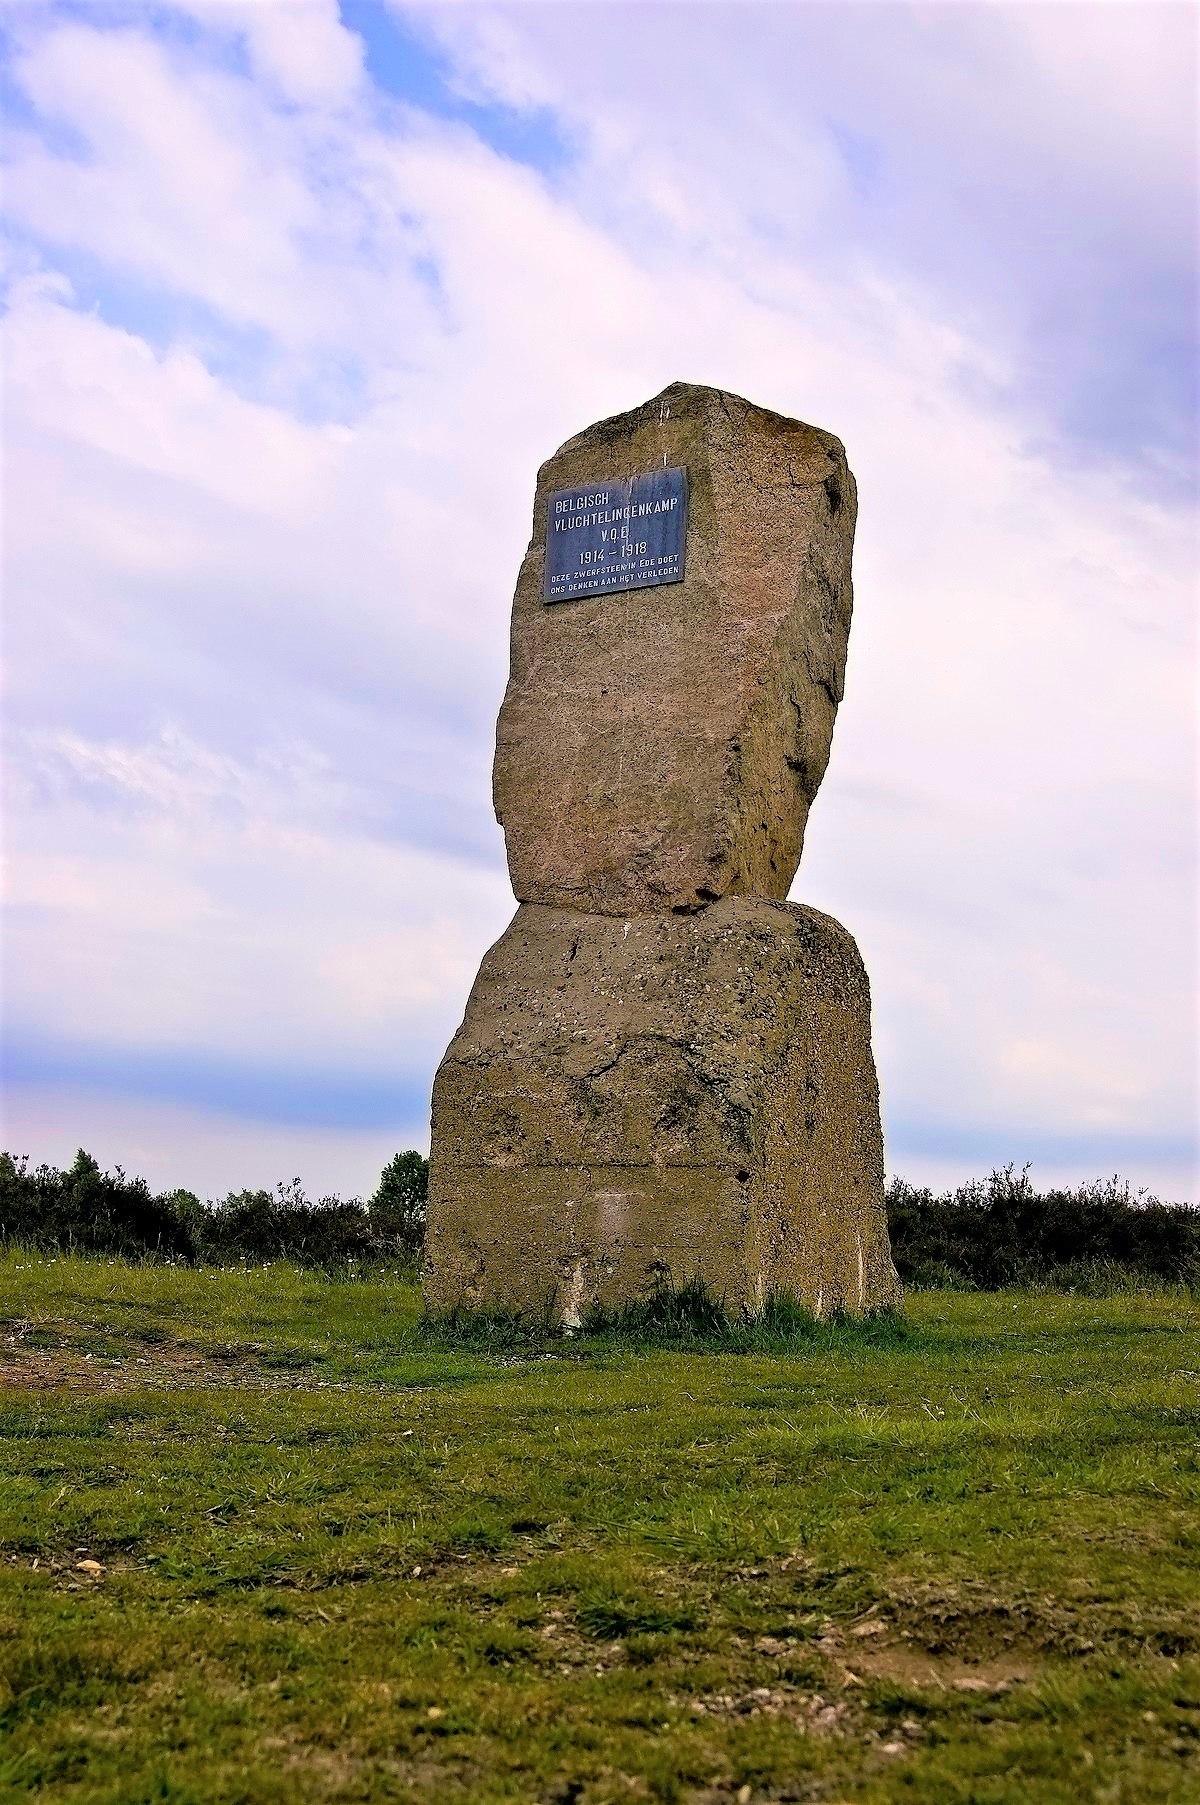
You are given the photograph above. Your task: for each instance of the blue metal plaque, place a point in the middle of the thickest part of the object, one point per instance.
(626, 534)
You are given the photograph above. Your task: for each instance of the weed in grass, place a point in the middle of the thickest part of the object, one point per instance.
(686, 1317)
(608, 1615)
(488, 1331)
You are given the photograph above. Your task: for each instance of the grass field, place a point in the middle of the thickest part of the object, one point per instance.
(266, 1537)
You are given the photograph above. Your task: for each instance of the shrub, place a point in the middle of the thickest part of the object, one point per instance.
(105, 1212)
(1002, 1231)
(283, 1225)
(94, 1211)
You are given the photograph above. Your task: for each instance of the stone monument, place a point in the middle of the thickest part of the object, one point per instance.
(665, 1068)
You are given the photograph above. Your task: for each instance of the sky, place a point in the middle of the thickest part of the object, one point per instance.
(299, 296)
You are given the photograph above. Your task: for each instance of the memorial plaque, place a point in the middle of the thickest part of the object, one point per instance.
(625, 534)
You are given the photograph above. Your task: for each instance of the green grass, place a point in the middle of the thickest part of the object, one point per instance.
(348, 1555)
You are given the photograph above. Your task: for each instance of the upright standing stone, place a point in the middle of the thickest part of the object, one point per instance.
(659, 748)
(664, 1069)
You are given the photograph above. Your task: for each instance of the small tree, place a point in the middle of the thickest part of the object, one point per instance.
(397, 1207)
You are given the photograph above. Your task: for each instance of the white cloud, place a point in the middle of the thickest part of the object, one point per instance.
(1029, 169)
(189, 178)
(169, 898)
(299, 46)
(103, 390)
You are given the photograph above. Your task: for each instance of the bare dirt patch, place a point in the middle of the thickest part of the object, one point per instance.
(57, 1361)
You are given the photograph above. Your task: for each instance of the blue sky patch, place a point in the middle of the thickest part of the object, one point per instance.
(299, 1096)
(405, 63)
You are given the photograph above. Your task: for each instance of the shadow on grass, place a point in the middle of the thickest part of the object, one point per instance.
(688, 1317)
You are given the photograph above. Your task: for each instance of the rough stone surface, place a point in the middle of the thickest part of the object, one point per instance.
(659, 748)
(692, 1093)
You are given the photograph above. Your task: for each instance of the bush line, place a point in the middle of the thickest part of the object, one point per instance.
(987, 1235)
(85, 1210)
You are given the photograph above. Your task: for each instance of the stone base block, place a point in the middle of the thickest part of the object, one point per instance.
(691, 1095)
